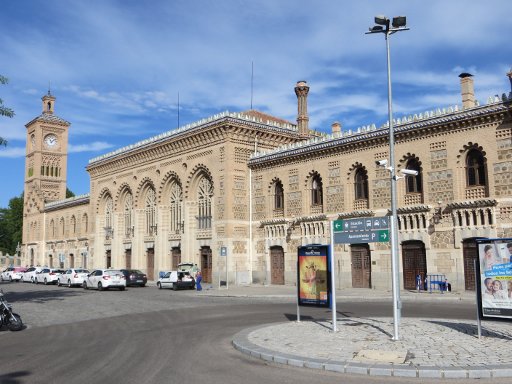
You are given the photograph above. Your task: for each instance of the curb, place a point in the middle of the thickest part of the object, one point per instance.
(242, 344)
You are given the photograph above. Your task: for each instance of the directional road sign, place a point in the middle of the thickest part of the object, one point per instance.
(361, 230)
(379, 236)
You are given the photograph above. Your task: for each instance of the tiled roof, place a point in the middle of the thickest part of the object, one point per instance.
(69, 202)
(49, 118)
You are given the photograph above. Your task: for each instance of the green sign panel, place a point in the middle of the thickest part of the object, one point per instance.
(361, 230)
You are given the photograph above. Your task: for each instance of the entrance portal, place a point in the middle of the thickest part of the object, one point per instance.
(175, 257)
(276, 265)
(414, 263)
(151, 264)
(470, 254)
(206, 264)
(361, 266)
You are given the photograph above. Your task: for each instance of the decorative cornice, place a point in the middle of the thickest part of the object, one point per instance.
(221, 118)
(473, 204)
(304, 219)
(413, 209)
(367, 133)
(69, 202)
(363, 213)
(273, 222)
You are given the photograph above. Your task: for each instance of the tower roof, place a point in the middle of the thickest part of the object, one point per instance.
(48, 118)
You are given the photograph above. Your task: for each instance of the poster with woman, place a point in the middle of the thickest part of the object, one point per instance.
(495, 288)
(313, 277)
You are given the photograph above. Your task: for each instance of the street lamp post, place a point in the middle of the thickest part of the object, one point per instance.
(383, 26)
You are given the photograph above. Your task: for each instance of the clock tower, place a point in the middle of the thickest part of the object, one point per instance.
(46, 158)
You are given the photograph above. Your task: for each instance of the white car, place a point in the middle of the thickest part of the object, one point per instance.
(73, 276)
(48, 276)
(30, 274)
(104, 279)
(176, 280)
(12, 274)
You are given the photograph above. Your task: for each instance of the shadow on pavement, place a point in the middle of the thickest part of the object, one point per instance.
(39, 296)
(472, 329)
(14, 377)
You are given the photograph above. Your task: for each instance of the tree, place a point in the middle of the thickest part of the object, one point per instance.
(11, 225)
(69, 193)
(4, 111)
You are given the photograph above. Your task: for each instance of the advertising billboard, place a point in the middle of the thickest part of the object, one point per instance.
(313, 276)
(495, 277)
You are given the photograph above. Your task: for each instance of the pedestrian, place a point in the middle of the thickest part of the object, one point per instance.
(199, 277)
(418, 282)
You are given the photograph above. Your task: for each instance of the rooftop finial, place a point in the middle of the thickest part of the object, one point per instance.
(49, 89)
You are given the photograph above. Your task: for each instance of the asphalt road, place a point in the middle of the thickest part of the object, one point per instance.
(146, 335)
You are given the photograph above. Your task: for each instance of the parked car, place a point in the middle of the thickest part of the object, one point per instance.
(12, 274)
(72, 276)
(176, 280)
(134, 277)
(30, 274)
(104, 279)
(48, 276)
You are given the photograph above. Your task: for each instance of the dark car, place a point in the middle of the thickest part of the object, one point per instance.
(134, 277)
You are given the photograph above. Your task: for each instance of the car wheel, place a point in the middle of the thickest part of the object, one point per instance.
(84, 285)
(121, 288)
(143, 285)
(100, 287)
(10, 279)
(35, 281)
(159, 285)
(45, 281)
(174, 286)
(32, 280)
(58, 283)
(69, 283)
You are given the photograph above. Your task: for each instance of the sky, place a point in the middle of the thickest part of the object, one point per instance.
(120, 69)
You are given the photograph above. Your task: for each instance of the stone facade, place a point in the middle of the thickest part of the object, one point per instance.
(237, 193)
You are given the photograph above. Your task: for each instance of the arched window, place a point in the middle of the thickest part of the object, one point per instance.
(176, 207)
(128, 214)
(361, 184)
(316, 190)
(150, 212)
(204, 198)
(62, 226)
(475, 169)
(85, 224)
(73, 225)
(52, 228)
(278, 195)
(413, 183)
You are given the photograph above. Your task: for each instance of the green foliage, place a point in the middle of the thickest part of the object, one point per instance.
(4, 111)
(69, 193)
(11, 225)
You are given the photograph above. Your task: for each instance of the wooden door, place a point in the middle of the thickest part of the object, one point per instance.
(150, 270)
(206, 264)
(414, 261)
(176, 257)
(71, 260)
(276, 266)
(361, 266)
(109, 259)
(470, 254)
(128, 258)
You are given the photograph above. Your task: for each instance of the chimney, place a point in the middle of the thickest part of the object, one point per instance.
(301, 90)
(467, 90)
(336, 127)
(509, 74)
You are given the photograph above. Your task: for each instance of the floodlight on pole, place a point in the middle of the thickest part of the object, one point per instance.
(383, 26)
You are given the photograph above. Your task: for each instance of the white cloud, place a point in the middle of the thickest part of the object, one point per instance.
(95, 146)
(12, 152)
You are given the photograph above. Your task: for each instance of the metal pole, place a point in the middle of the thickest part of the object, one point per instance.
(394, 230)
(478, 321)
(333, 284)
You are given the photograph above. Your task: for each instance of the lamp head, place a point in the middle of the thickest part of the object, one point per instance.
(382, 163)
(399, 21)
(381, 20)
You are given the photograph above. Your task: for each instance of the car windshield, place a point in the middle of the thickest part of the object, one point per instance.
(81, 271)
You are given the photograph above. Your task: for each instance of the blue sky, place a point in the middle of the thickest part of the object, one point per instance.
(116, 67)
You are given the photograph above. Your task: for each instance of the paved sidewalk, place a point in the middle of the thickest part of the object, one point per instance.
(427, 348)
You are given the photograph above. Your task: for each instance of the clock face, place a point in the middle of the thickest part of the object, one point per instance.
(50, 140)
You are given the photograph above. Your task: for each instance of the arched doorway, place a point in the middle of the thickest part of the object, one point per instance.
(361, 266)
(414, 260)
(175, 257)
(206, 264)
(276, 265)
(71, 261)
(31, 257)
(469, 254)
(150, 266)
